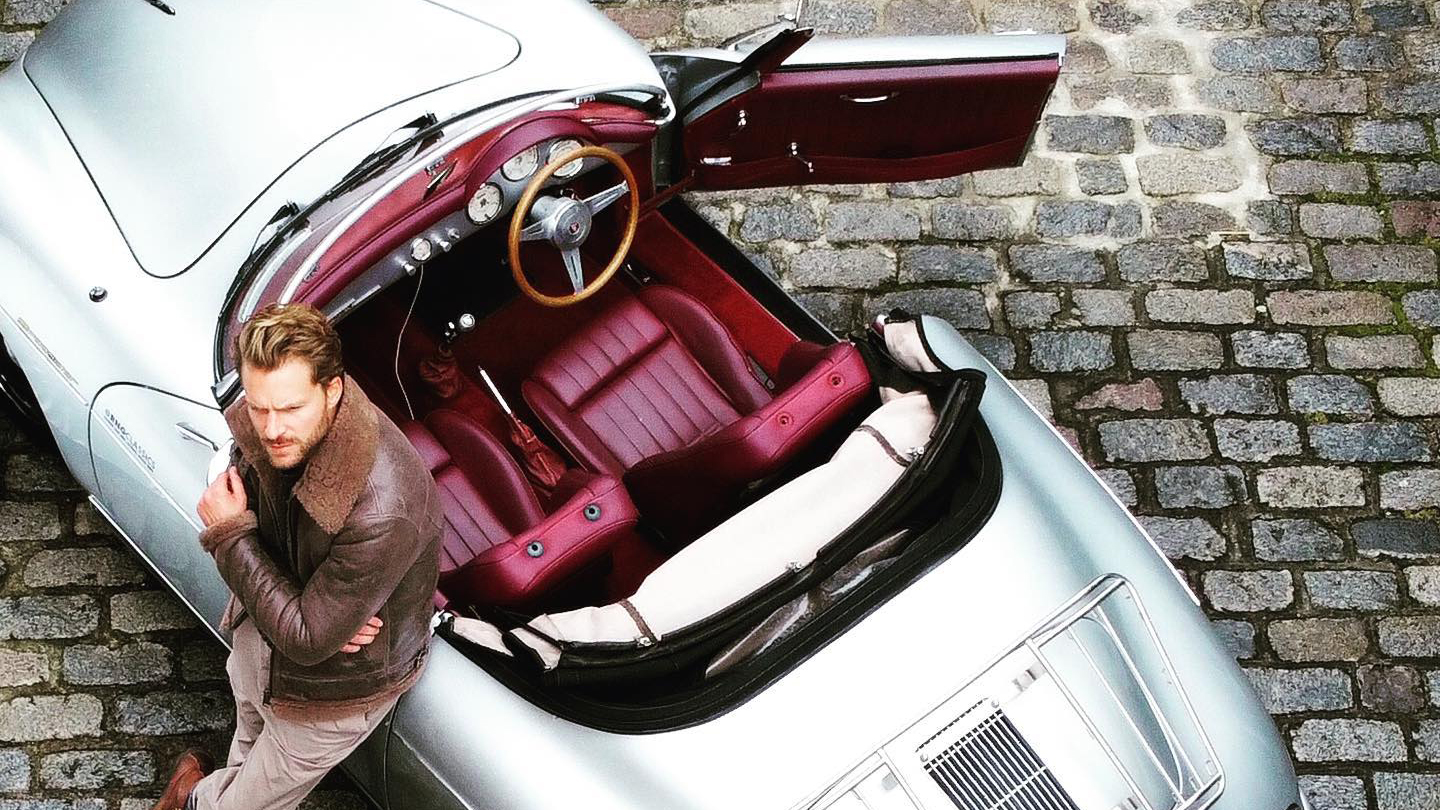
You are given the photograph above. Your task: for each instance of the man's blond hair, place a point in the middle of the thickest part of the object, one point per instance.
(278, 332)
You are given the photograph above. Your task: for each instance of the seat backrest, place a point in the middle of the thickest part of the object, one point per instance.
(653, 374)
(461, 454)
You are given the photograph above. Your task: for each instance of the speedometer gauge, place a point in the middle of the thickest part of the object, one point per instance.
(561, 148)
(522, 165)
(484, 204)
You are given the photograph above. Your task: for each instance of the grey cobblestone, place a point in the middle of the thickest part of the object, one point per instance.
(964, 308)
(795, 220)
(1375, 351)
(1267, 261)
(1334, 221)
(1144, 395)
(1154, 440)
(1270, 218)
(1039, 176)
(1370, 441)
(1237, 636)
(163, 713)
(91, 770)
(1199, 487)
(1317, 177)
(1391, 689)
(1249, 591)
(1071, 351)
(1091, 134)
(1409, 636)
(1165, 350)
(921, 263)
(1422, 307)
(82, 566)
(1238, 93)
(1121, 483)
(1201, 306)
(1058, 219)
(1325, 95)
(1329, 308)
(867, 221)
(971, 222)
(1256, 440)
(1317, 640)
(40, 617)
(1229, 393)
(1396, 537)
(1406, 791)
(1056, 263)
(1310, 487)
(855, 268)
(1101, 176)
(1352, 590)
(1286, 691)
(1334, 792)
(1169, 174)
(1180, 538)
(1185, 130)
(1354, 740)
(1410, 396)
(1161, 262)
(145, 611)
(1329, 393)
(1261, 55)
(23, 668)
(14, 770)
(1256, 349)
(139, 662)
(1184, 218)
(1407, 263)
(49, 717)
(1416, 488)
(1284, 539)
(1384, 137)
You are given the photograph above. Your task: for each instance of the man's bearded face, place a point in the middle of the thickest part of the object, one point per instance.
(291, 412)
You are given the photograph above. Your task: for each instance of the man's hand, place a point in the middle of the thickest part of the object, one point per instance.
(223, 499)
(365, 636)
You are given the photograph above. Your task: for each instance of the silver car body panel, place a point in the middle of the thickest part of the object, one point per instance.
(1055, 531)
(128, 379)
(822, 52)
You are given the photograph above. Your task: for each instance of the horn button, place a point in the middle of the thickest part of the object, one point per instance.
(566, 222)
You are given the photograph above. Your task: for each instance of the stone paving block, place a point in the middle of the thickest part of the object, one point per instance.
(1409, 636)
(1168, 350)
(1136, 92)
(1201, 306)
(1391, 689)
(1375, 352)
(1396, 537)
(1033, 15)
(1237, 636)
(1334, 792)
(1185, 218)
(1352, 590)
(1423, 582)
(1085, 56)
(1071, 351)
(48, 617)
(1387, 137)
(21, 521)
(1238, 93)
(1404, 263)
(1169, 174)
(791, 220)
(1263, 55)
(146, 611)
(1417, 488)
(1101, 176)
(1038, 176)
(930, 17)
(1410, 396)
(971, 222)
(1310, 487)
(14, 770)
(1091, 134)
(1411, 97)
(1154, 440)
(1368, 53)
(1349, 740)
(1318, 177)
(1031, 310)
(1059, 219)
(82, 566)
(1256, 439)
(1044, 263)
(1215, 15)
(963, 308)
(92, 770)
(1306, 15)
(1257, 349)
(1286, 539)
(1269, 218)
(1000, 351)
(1329, 308)
(1144, 395)
(1185, 130)
(1422, 307)
(1408, 178)
(1316, 640)
(1185, 538)
(1121, 483)
(1370, 441)
(1415, 218)
(1406, 791)
(1329, 393)
(1159, 261)
(853, 268)
(1103, 307)
(1313, 689)
(867, 221)
(921, 263)
(1298, 137)
(1199, 487)
(1335, 221)
(1249, 591)
(162, 713)
(23, 668)
(1325, 95)
(835, 310)
(1267, 261)
(138, 662)
(1229, 393)
(49, 717)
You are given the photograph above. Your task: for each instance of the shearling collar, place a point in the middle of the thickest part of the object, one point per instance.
(335, 475)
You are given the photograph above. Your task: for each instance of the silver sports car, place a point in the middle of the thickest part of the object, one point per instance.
(701, 552)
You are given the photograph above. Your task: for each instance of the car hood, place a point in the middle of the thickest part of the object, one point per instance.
(183, 119)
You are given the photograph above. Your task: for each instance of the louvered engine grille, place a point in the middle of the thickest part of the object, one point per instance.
(992, 767)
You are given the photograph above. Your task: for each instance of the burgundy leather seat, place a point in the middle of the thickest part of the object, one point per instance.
(656, 389)
(499, 546)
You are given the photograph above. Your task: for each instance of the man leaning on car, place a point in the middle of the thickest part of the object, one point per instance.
(327, 531)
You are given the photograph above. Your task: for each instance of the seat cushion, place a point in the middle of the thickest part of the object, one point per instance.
(626, 388)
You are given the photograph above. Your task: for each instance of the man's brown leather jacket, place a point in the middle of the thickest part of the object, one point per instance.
(357, 536)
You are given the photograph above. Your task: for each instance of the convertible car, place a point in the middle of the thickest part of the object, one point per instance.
(701, 551)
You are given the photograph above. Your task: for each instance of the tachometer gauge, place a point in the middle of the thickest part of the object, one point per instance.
(559, 149)
(522, 165)
(484, 204)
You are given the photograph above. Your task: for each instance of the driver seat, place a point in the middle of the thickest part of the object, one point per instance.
(657, 390)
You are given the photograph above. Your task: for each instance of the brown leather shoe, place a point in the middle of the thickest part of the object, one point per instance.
(190, 767)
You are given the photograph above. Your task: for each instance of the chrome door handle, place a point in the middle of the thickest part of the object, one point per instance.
(190, 434)
(869, 99)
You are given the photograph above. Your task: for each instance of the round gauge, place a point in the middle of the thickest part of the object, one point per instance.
(559, 149)
(485, 204)
(421, 250)
(522, 165)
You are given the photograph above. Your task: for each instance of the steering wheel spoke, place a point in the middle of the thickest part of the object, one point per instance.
(574, 268)
(532, 232)
(601, 200)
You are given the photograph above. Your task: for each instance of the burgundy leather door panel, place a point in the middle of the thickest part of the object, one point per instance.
(870, 123)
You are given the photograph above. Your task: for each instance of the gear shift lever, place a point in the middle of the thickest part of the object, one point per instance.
(439, 371)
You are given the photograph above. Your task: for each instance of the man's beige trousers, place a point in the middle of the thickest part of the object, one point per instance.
(273, 762)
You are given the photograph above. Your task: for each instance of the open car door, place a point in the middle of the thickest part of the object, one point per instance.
(796, 110)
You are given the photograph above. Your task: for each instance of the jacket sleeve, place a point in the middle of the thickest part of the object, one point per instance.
(310, 623)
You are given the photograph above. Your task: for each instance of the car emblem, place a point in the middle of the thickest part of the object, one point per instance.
(574, 228)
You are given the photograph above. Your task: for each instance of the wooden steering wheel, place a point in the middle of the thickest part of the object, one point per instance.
(565, 223)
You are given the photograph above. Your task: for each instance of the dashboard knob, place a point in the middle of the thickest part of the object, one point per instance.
(444, 244)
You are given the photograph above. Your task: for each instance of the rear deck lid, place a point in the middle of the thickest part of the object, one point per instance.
(184, 119)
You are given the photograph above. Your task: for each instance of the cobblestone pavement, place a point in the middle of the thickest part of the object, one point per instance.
(1216, 272)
